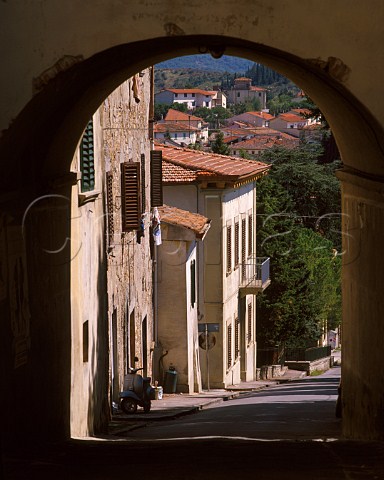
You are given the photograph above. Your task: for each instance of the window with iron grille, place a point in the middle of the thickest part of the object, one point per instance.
(237, 252)
(250, 234)
(193, 282)
(249, 314)
(229, 248)
(243, 253)
(87, 160)
(111, 226)
(156, 178)
(130, 196)
(237, 338)
(229, 346)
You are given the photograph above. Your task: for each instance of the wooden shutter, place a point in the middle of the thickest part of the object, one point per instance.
(111, 226)
(87, 160)
(229, 248)
(250, 234)
(229, 346)
(249, 323)
(237, 231)
(237, 338)
(143, 184)
(156, 178)
(130, 196)
(243, 246)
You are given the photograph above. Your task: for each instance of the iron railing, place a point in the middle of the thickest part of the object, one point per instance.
(254, 273)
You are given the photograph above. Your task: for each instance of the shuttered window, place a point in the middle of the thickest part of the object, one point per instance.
(237, 338)
(111, 226)
(250, 234)
(87, 160)
(130, 196)
(249, 314)
(237, 252)
(143, 184)
(243, 245)
(229, 346)
(193, 282)
(156, 178)
(229, 248)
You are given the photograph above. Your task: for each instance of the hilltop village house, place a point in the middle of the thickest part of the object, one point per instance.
(222, 189)
(290, 123)
(191, 97)
(243, 91)
(181, 134)
(111, 261)
(252, 119)
(259, 143)
(188, 120)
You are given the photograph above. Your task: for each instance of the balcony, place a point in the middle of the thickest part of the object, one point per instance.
(254, 276)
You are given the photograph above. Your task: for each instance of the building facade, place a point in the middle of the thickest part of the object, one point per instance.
(243, 91)
(205, 183)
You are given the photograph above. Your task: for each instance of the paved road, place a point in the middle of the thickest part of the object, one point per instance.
(293, 411)
(286, 433)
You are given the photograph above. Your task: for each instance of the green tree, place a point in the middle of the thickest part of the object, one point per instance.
(161, 110)
(304, 294)
(218, 146)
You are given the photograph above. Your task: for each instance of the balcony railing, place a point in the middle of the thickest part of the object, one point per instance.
(254, 275)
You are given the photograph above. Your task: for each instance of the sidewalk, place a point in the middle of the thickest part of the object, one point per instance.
(176, 405)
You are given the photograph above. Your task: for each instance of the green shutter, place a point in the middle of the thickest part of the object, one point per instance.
(87, 160)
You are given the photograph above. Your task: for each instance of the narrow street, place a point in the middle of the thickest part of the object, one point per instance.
(285, 432)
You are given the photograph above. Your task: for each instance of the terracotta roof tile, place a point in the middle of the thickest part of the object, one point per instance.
(290, 117)
(176, 115)
(264, 115)
(266, 142)
(191, 90)
(183, 218)
(173, 127)
(219, 167)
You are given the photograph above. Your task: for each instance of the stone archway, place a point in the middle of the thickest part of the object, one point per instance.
(41, 142)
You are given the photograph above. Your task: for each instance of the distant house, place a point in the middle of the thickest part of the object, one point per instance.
(191, 97)
(188, 120)
(258, 144)
(289, 123)
(220, 100)
(177, 132)
(223, 189)
(256, 119)
(177, 286)
(243, 92)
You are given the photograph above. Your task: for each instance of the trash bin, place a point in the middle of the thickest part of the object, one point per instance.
(170, 380)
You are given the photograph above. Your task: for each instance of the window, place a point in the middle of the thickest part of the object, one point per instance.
(130, 196)
(243, 245)
(238, 94)
(207, 104)
(193, 104)
(250, 234)
(259, 94)
(229, 346)
(184, 135)
(87, 165)
(185, 95)
(85, 341)
(176, 95)
(229, 248)
(237, 338)
(249, 317)
(143, 189)
(111, 226)
(176, 135)
(193, 282)
(237, 227)
(156, 178)
(193, 95)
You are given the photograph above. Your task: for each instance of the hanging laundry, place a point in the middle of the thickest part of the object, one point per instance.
(156, 230)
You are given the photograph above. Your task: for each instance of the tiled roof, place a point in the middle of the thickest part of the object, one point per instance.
(301, 111)
(217, 167)
(173, 127)
(290, 117)
(176, 115)
(242, 132)
(183, 218)
(257, 89)
(176, 174)
(264, 115)
(191, 90)
(267, 141)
